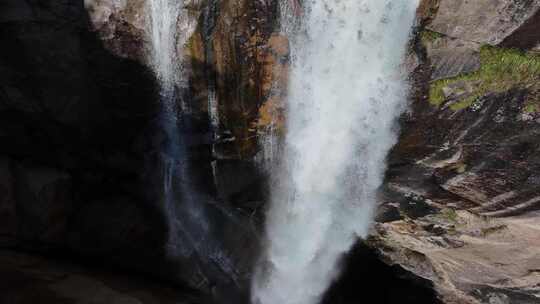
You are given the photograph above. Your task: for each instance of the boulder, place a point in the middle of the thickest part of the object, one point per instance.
(483, 21)
(450, 57)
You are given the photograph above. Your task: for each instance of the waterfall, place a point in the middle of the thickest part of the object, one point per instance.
(166, 61)
(346, 91)
(194, 224)
(169, 27)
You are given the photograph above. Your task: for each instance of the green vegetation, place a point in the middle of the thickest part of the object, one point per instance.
(450, 215)
(531, 108)
(461, 168)
(429, 36)
(494, 229)
(501, 69)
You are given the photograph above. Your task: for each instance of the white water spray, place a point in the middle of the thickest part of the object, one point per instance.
(163, 15)
(346, 91)
(168, 28)
(191, 234)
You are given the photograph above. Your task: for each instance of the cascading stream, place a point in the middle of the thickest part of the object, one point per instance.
(346, 91)
(164, 58)
(192, 232)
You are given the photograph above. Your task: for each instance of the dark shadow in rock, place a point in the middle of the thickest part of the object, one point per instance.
(367, 279)
(77, 127)
(525, 37)
(80, 134)
(35, 279)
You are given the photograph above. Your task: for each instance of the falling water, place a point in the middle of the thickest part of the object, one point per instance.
(163, 15)
(165, 59)
(346, 91)
(192, 235)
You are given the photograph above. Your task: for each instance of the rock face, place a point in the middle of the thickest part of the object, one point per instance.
(79, 136)
(483, 21)
(461, 199)
(464, 26)
(234, 57)
(75, 140)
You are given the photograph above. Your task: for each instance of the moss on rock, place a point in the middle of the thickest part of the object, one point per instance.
(501, 69)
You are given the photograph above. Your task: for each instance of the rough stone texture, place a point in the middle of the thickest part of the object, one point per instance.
(79, 139)
(461, 198)
(471, 259)
(120, 24)
(233, 56)
(464, 26)
(451, 57)
(482, 21)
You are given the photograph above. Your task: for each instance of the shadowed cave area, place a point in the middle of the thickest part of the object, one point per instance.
(367, 279)
(28, 278)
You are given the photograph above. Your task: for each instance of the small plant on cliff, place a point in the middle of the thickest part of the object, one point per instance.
(429, 36)
(501, 69)
(450, 215)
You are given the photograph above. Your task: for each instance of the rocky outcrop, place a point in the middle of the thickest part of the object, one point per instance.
(120, 25)
(455, 30)
(483, 21)
(461, 198)
(79, 137)
(77, 142)
(234, 59)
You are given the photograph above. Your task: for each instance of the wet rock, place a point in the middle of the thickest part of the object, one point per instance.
(388, 212)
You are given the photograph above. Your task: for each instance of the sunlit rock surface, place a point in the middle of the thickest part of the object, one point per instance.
(483, 21)
(460, 206)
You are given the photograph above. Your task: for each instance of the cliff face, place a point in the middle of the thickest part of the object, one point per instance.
(76, 139)
(235, 58)
(79, 140)
(461, 204)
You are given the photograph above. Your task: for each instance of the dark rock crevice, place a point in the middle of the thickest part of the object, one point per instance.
(368, 279)
(525, 37)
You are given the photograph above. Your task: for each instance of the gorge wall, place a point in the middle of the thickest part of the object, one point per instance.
(79, 142)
